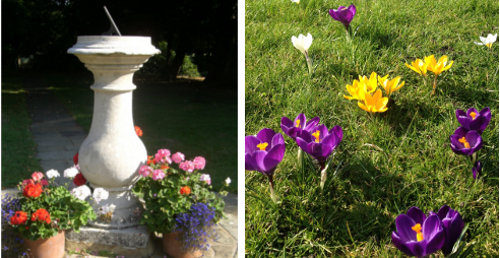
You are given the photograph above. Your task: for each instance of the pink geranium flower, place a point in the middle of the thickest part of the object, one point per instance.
(178, 157)
(199, 162)
(145, 171)
(158, 174)
(44, 182)
(37, 176)
(163, 156)
(27, 182)
(187, 166)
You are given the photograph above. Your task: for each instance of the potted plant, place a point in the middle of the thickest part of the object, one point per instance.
(47, 210)
(179, 203)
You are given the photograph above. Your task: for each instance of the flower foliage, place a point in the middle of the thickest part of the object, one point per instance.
(196, 227)
(169, 192)
(12, 242)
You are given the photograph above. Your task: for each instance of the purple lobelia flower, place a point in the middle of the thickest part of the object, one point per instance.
(263, 152)
(319, 142)
(476, 169)
(465, 142)
(453, 226)
(418, 235)
(344, 14)
(474, 120)
(294, 129)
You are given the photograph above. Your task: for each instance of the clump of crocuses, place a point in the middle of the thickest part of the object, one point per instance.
(467, 140)
(320, 144)
(420, 235)
(430, 64)
(263, 152)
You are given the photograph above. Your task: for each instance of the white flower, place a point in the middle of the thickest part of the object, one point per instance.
(52, 173)
(100, 194)
(206, 178)
(302, 43)
(105, 209)
(296, 1)
(488, 41)
(71, 172)
(228, 180)
(81, 192)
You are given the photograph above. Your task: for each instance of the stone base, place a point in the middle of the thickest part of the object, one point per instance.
(131, 242)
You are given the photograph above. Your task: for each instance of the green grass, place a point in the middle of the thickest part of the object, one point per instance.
(185, 117)
(412, 163)
(18, 146)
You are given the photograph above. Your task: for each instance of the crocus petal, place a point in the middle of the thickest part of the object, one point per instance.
(286, 124)
(417, 248)
(417, 215)
(461, 131)
(250, 162)
(352, 9)
(434, 234)
(266, 135)
(396, 240)
(443, 211)
(258, 157)
(277, 139)
(333, 13)
(251, 143)
(274, 157)
(308, 41)
(486, 113)
(404, 223)
(475, 140)
(302, 118)
(463, 118)
(302, 143)
(313, 122)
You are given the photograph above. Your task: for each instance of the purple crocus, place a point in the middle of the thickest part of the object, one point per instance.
(320, 143)
(294, 129)
(344, 14)
(264, 152)
(476, 169)
(418, 235)
(453, 226)
(474, 120)
(465, 142)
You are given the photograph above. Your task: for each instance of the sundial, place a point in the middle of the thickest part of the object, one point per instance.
(112, 28)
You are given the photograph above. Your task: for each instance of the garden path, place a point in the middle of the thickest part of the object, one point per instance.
(59, 138)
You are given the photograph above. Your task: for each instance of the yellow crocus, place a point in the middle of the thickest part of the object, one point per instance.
(374, 103)
(382, 80)
(357, 91)
(418, 66)
(393, 85)
(437, 67)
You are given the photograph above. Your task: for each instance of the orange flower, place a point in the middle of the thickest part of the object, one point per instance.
(32, 190)
(151, 160)
(164, 167)
(41, 215)
(19, 218)
(138, 131)
(185, 190)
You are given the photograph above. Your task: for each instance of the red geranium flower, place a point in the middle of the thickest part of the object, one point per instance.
(19, 218)
(138, 131)
(42, 215)
(151, 160)
(185, 190)
(79, 179)
(75, 158)
(32, 190)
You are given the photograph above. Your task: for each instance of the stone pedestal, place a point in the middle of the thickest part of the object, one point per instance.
(112, 153)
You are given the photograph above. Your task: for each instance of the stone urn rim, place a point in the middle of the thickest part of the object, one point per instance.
(110, 45)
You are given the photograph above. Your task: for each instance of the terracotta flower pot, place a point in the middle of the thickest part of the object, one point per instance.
(172, 247)
(52, 247)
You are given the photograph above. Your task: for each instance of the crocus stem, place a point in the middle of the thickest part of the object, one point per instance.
(309, 63)
(347, 34)
(300, 157)
(323, 176)
(434, 86)
(271, 188)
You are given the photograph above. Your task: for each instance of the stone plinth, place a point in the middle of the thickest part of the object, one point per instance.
(112, 153)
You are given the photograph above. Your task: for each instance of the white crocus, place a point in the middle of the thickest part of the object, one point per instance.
(100, 194)
(228, 181)
(296, 1)
(488, 41)
(52, 173)
(71, 172)
(81, 192)
(303, 43)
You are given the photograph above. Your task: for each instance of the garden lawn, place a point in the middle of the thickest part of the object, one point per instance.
(18, 146)
(387, 162)
(185, 116)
